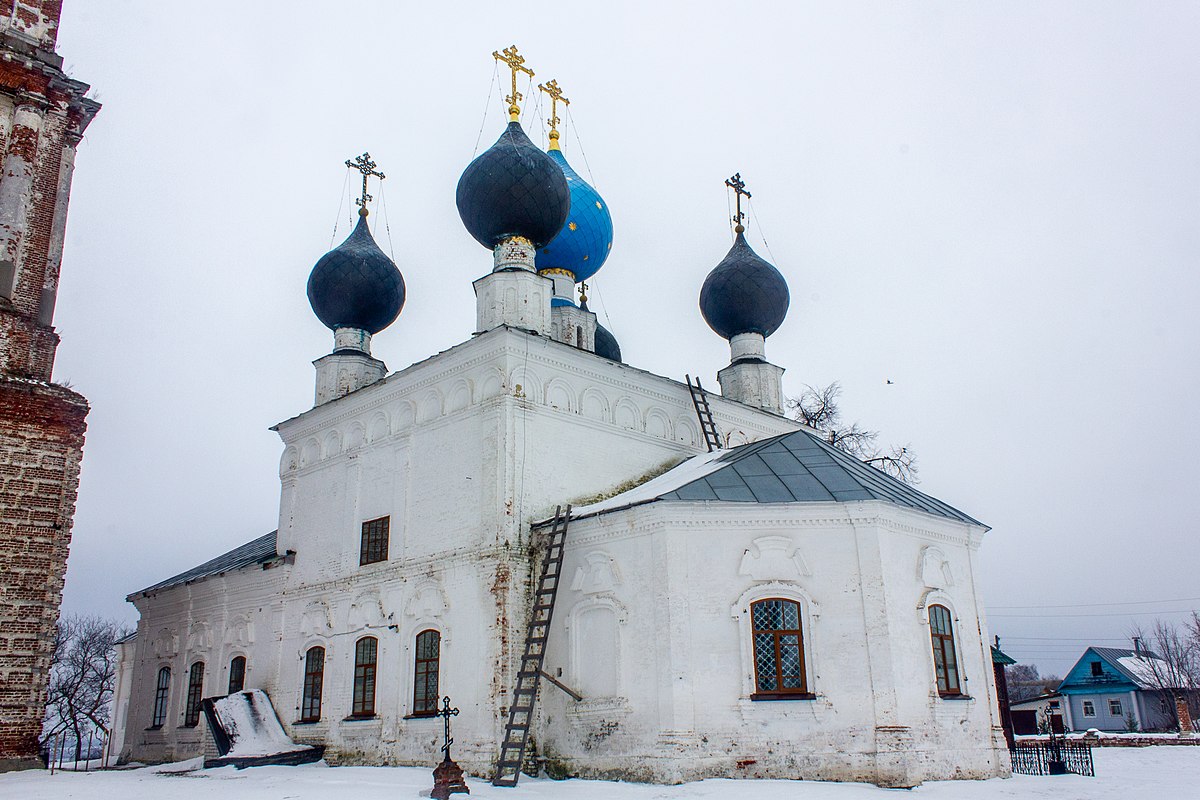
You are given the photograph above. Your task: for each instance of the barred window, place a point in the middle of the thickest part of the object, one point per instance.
(314, 679)
(162, 693)
(425, 685)
(778, 650)
(365, 652)
(195, 692)
(374, 541)
(237, 674)
(945, 664)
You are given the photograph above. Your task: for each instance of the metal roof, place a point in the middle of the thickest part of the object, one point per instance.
(254, 552)
(1113, 656)
(800, 467)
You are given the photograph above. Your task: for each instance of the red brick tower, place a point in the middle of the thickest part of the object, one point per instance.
(43, 114)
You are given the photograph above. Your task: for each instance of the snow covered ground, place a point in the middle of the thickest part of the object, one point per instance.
(1168, 773)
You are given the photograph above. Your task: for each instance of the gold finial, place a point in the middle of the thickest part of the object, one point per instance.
(514, 60)
(556, 97)
(583, 287)
(739, 188)
(366, 166)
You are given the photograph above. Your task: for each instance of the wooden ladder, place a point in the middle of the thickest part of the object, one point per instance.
(707, 426)
(520, 709)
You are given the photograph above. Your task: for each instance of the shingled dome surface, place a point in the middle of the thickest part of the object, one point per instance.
(355, 285)
(513, 189)
(744, 294)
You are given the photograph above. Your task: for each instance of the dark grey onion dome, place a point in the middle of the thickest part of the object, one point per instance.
(744, 294)
(513, 189)
(606, 344)
(355, 285)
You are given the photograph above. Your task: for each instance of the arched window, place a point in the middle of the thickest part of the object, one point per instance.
(425, 681)
(162, 692)
(365, 653)
(191, 713)
(945, 665)
(314, 679)
(237, 674)
(778, 650)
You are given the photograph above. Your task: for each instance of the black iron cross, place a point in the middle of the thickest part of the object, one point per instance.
(366, 166)
(447, 712)
(739, 188)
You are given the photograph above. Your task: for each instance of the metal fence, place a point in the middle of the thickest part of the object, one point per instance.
(1055, 757)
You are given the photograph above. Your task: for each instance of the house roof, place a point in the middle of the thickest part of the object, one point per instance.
(1143, 669)
(1000, 657)
(795, 467)
(1033, 701)
(258, 551)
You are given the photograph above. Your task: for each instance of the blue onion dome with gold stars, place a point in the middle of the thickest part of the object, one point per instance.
(583, 244)
(513, 190)
(355, 285)
(744, 293)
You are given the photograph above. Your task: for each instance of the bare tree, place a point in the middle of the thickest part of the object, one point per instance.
(1025, 682)
(1172, 669)
(819, 408)
(82, 678)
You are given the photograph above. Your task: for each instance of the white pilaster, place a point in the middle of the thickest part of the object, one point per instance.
(574, 326)
(514, 297)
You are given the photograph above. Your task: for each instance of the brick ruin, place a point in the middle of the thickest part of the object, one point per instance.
(43, 114)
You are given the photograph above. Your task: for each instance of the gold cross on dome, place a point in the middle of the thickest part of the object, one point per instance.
(366, 166)
(739, 188)
(515, 62)
(556, 97)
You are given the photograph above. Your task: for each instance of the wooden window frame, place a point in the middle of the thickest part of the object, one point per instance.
(314, 684)
(1120, 711)
(195, 694)
(1085, 705)
(796, 693)
(423, 704)
(237, 669)
(374, 545)
(943, 643)
(365, 673)
(162, 696)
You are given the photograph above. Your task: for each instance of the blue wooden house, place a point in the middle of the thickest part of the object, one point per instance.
(1110, 688)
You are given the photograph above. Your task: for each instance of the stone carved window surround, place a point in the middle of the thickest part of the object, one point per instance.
(937, 597)
(810, 613)
(408, 662)
(572, 629)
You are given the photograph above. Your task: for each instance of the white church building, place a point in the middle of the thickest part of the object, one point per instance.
(769, 608)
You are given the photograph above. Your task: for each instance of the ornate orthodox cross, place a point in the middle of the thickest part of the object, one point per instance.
(556, 97)
(739, 188)
(366, 166)
(447, 712)
(514, 60)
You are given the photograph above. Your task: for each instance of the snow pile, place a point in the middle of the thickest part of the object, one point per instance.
(1122, 773)
(693, 469)
(254, 730)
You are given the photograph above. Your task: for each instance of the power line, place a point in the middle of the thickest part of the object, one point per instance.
(1098, 614)
(1097, 605)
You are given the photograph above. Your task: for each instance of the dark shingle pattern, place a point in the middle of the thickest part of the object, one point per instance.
(744, 294)
(799, 467)
(258, 551)
(355, 285)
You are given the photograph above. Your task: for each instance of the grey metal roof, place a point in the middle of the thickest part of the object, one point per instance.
(799, 467)
(1113, 655)
(257, 551)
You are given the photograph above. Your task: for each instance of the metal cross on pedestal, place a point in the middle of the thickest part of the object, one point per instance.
(514, 60)
(446, 713)
(366, 166)
(739, 188)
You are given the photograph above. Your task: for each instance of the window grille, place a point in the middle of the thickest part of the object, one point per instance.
(778, 650)
(195, 692)
(314, 678)
(425, 682)
(374, 541)
(365, 652)
(237, 674)
(162, 692)
(945, 663)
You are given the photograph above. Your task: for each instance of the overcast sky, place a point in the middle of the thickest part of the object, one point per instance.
(994, 206)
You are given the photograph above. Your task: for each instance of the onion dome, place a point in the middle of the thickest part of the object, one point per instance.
(585, 241)
(606, 344)
(744, 293)
(355, 285)
(513, 189)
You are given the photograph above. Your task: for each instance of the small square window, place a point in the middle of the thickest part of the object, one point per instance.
(374, 541)
(1097, 669)
(1114, 708)
(1089, 708)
